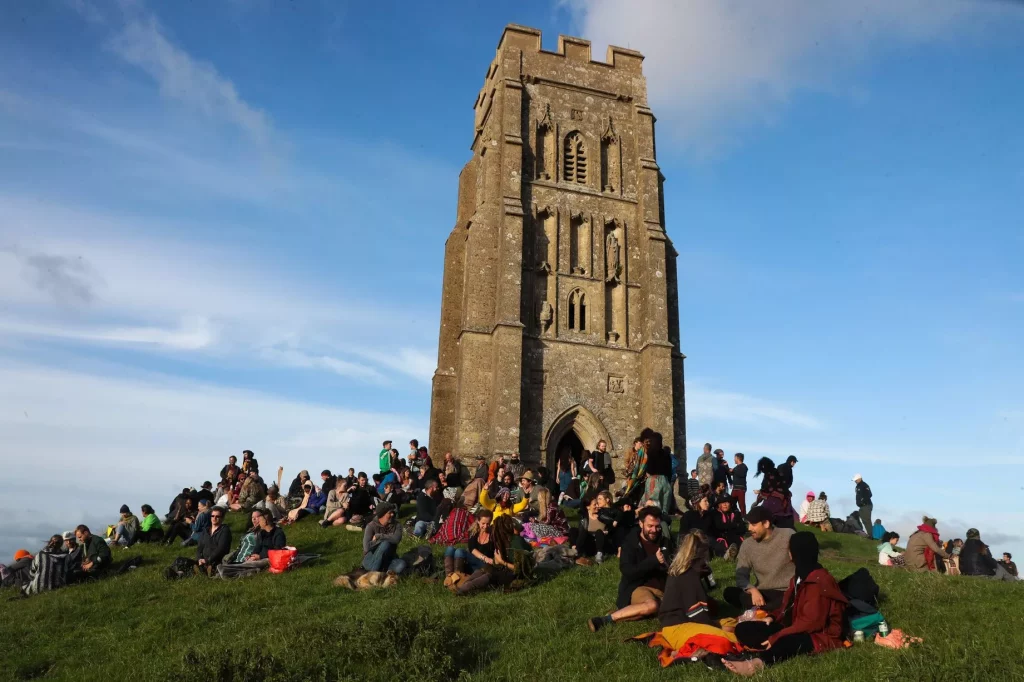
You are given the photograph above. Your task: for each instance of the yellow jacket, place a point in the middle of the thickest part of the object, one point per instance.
(497, 509)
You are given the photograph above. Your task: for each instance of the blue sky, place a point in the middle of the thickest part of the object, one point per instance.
(222, 227)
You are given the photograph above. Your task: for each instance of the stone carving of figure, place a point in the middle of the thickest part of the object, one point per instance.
(547, 314)
(612, 254)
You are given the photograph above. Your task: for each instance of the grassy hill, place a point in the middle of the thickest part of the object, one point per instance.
(296, 626)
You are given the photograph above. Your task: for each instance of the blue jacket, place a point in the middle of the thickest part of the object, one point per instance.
(202, 523)
(316, 501)
(389, 477)
(877, 531)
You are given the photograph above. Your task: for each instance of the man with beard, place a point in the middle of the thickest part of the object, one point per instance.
(644, 560)
(766, 553)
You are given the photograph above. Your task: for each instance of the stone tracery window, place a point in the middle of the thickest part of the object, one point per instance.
(577, 311)
(574, 159)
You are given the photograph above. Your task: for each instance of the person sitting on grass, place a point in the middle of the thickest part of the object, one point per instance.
(335, 512)
(295, 488)
(274, 503)
(1008, 564)
(686, 600)
(697, 517)
(499, 500)
(591, 537)
(818, 514)
(643, 561)
(976, 559)
(126, 530)
(805, 505)
(362, 501)
(810, 620)
(150, 528)
(181, 528)
(214, 543)
(501, 570)
(252, 554)
(727, 530)
(380, 542)
(887, 553)
(458, 562)
(924, 546)
(312, 501)
(550, 522)
(427, 500)
(95, 555)
(877, 530)
(199, 525)
(766, 554)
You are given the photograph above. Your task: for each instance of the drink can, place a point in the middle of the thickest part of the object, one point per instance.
(858, 636)
(883, 629)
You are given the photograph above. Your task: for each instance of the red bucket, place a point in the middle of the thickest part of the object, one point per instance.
(281, 559)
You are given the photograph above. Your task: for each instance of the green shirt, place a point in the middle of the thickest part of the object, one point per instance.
(150, 522)
(385, 460)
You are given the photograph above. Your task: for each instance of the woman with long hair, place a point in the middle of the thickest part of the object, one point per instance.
(549, 522)
(686, 600)
(480, 552)
(502, 568)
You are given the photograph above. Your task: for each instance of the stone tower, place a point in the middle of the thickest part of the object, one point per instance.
(559, 312)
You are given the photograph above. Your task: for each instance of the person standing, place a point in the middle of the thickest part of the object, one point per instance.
(739, 483)
(384, 457)
(864, 506)
(706, 466)
(721, 474)
(786, 473)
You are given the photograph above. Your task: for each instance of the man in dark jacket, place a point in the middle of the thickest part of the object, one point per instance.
(214, 543)
(95, 553)
(721, 470)
(426, 508)
(363, 499)
(977, 560)
(863, 500)
(1008, 564)
(786, 472)
(644, 560)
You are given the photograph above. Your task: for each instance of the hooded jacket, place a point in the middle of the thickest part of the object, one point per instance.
(922, 547)
(975, 558)
(816, 607)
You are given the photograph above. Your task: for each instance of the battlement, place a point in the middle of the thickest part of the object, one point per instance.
(573, 49)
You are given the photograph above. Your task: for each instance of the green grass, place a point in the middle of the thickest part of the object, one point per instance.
(296, 626)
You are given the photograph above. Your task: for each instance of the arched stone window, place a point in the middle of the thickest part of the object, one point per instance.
(574, 159)
(577, 311)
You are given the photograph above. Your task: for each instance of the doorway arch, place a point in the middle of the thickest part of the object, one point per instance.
(577, 427)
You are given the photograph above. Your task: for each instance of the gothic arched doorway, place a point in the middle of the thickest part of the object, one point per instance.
(573, 431)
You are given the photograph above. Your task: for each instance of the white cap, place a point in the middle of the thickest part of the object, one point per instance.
(856, 477)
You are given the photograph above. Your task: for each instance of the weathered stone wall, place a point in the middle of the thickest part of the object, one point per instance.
(559, 308)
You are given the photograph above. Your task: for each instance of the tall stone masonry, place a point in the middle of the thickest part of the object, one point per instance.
(559, 311)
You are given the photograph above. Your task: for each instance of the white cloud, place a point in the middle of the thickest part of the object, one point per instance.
(715, 67)
(182, 78)
(705, 403)
(95, 277)
(115, 440)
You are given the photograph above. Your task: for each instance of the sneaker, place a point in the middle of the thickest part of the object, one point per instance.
(599, 558)
(325, 523)
(595, 623)
(730, 554)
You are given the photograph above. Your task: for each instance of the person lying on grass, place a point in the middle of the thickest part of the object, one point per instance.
(643, 561)
(810, 620)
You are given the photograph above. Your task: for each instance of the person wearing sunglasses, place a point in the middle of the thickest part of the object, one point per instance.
(214, 543)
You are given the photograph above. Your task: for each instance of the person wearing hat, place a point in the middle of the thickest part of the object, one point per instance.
(924, 546)
(862, 492)
(70, 541)
(765, 554)
(380, 541)
(126, 530)
(976, 559)
(785, 471)
(17, 573)
(810, 619)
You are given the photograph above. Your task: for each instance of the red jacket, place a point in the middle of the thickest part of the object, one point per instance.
(819, 610)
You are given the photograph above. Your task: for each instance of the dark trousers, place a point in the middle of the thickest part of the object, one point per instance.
(589, 544)
(178, 530)
(741, 598)
(154, 535)
(753, 633)
(740, 495)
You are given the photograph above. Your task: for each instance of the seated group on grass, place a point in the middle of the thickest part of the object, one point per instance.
(501, 523)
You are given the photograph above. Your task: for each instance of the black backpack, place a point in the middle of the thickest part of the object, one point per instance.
(182, 567)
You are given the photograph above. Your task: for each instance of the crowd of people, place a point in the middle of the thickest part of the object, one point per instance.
(501, 521)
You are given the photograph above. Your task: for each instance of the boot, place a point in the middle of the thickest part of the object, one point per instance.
(477, 581)
(460, 564)
(449, 566)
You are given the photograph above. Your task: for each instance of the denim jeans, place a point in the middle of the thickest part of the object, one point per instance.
(420, 529)
(384, 554)
(472, 562)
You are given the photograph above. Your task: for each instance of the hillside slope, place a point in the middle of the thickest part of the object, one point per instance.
(296, 626)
